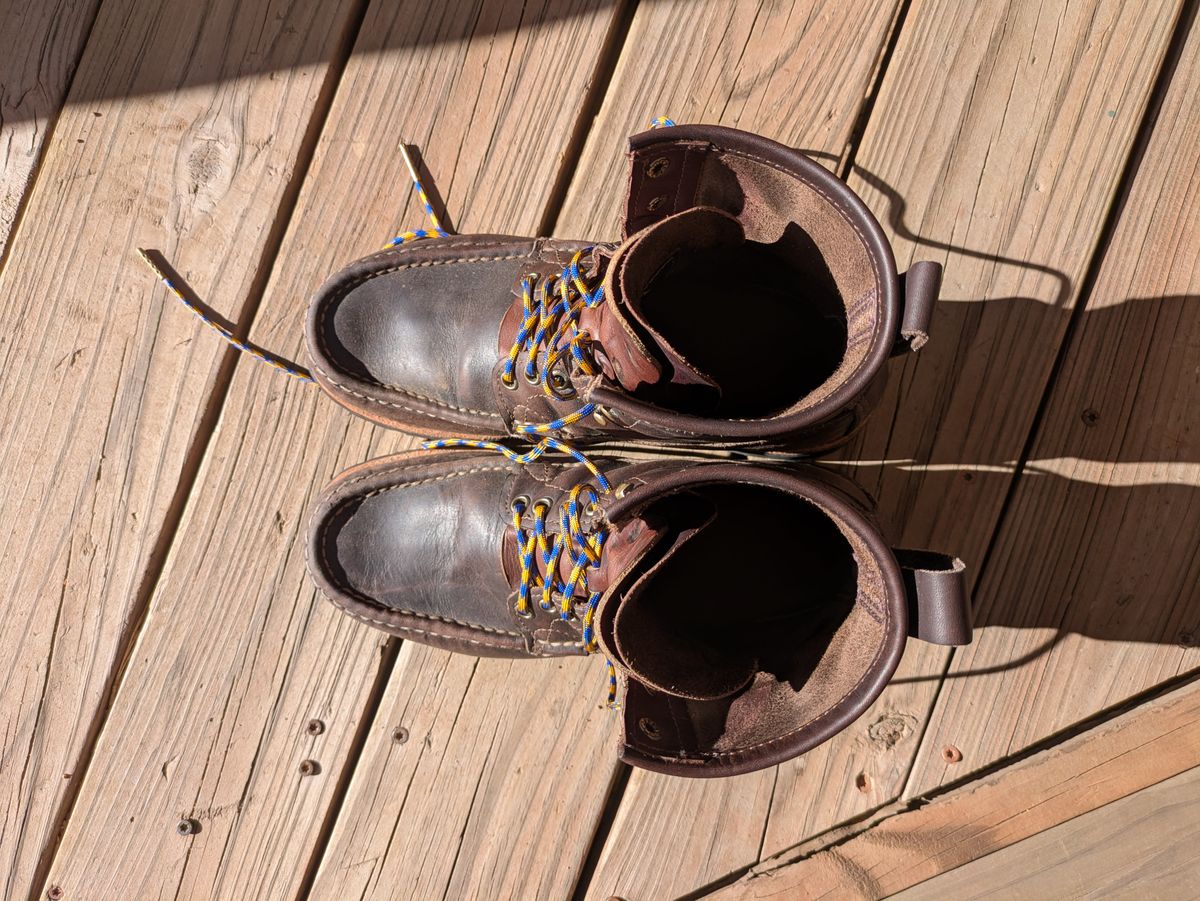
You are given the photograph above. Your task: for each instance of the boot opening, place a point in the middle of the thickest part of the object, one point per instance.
(768, 616)
(832, 271)
(764, 321)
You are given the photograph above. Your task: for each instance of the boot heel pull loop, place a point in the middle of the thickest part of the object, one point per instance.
(939, 608)
(919, 286)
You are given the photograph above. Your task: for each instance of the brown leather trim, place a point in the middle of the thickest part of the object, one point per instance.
(939, 607)
(920, 286)
(814, 486)
(653, 420)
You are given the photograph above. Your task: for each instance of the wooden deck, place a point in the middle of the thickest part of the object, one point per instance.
(165, 660)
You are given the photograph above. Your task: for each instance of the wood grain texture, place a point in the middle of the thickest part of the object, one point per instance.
(494, 794)
(40, 46)
(239, 651)
(105, 382)
(1142, 846)
(1002, 167)
(980, 154)
(796, 71)
(1093, 594)
(1124, 755)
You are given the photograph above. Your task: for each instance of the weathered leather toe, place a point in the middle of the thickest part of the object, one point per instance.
(408, 336)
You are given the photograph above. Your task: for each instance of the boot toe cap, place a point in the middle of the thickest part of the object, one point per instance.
(412, 334)
(415, 549)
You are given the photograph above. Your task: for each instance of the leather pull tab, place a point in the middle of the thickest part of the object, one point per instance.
(939, 609)
(920, 286)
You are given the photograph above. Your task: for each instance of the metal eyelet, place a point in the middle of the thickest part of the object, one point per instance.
(523, 614)
(511, 386)
(542, 502)
(522, 501)
(649, 728)
(531, 379)
(658, 167)
(622, 489)
(656, 202)
(604, 414)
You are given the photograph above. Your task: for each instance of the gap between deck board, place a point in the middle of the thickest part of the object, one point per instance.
(57, 91)
(202, 437)
(1150, 117)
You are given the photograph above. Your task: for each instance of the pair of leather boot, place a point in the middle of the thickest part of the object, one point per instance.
(748, 610)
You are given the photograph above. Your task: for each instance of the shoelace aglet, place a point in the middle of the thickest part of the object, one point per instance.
(149, 261)
(409, 164)
(406, 155)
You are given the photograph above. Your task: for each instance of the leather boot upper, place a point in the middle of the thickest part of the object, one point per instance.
(748, 612)
(753, 300)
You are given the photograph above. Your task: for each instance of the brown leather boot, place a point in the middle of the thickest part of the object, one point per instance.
(752, 302)
(748, 612)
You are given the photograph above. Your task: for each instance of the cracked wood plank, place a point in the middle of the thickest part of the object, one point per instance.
(1093, 592)
(104, 387)
(40, 46)
(239, 651)
(989, 149)
(905, 847)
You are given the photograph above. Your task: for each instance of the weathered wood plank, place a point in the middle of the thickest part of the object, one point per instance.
(796, 71)
(104, 386)
(494, 794)
(1002, 166)
(989, 149)
(40, 46)
(239, 652)
(1124, 755)
(1093, 594)
(1142, 846)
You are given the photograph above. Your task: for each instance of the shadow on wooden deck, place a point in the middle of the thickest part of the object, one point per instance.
(259, 25)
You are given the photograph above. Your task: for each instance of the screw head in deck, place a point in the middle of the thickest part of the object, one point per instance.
(187, 826)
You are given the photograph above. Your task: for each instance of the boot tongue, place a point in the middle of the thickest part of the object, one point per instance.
(644, 630)
(635, 354)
